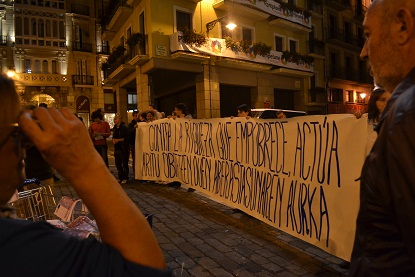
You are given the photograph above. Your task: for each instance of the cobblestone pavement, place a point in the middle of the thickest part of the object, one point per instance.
(200, 237)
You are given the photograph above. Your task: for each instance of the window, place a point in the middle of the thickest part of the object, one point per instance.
(348, 32)
(81, 68)
(279, 43)
(142, 23)
(61, 30)
(47, 28)
(132, 98)
(37, 66)
(45, 66)
(348, 62)
(293, 45)
(28, 66)
(54, 67)
(336, 95)
(26, 28)
(34, 26)
(128, 33)
(247, 34)
(183, 20)
(349, 96)
(55, 29)
(41, 28)
(18, 26)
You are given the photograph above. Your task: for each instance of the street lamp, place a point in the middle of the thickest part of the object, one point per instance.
(210, 25)
(363, 95)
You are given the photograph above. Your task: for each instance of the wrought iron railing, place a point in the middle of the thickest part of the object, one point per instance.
(82, 80)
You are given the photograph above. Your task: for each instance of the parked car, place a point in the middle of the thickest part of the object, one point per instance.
(273, 113)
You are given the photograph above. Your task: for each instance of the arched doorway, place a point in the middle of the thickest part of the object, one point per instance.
(43, 98)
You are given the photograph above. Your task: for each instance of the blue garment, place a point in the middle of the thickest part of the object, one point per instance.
(385, 227)
(39, 249)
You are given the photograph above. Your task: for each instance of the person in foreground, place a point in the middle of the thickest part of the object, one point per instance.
(385, 227)
(27, 248)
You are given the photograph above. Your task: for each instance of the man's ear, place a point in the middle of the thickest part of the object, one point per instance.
(404, 26)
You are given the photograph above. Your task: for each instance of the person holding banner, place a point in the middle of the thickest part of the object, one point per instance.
(384, 240)
(128, 248)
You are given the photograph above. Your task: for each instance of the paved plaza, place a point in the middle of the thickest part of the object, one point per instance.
(200, 237)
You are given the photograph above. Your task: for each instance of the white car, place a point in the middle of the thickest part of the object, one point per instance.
(275, 113)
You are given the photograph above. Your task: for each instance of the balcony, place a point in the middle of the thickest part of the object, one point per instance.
(49, 4)
(217, 47)
(115, 17)
(42, 79)
(340, 37)
(316, 48)
(103, 49)
(345, 73)
(80, 9)
(80, 46)
(339, 5)
(125, 64)
(360, 12)
(82, 80)
(312, 6)
(3, 40)
(241, 10)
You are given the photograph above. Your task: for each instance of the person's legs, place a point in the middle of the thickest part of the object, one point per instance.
(125, 158)
(119, 164)
(132, 146)
(104, 151)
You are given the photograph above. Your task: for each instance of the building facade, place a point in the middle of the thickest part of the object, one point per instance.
(127, 54)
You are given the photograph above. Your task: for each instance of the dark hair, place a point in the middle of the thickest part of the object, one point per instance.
(44, 105)
(373, 112)
(135, 112)
(9, 101)
(244, 108)
(96, 114)
(182, 107)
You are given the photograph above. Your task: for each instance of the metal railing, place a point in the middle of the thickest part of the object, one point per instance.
(80, 46)
(139, 49)
(341, 35)
(103, 49)
(80, 9)
(316, 46)
(82, 80)
(346, 73)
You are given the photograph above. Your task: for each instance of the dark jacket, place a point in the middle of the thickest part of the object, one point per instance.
(120, 132)
(385, 228)
(131, 132)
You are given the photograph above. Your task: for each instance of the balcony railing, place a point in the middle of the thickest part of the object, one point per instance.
(339, 5)
(316, 46)
(83, 80)
(360, 11)
(80, 46)
(139, 49)
(80, 9)
(345, 73)
(3, 40)
(312, 6)
(112, 10)
(103, 49)
(50, 4)
(342, 36)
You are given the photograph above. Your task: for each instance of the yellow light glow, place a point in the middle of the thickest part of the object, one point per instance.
(363, 95)
(231, 26)
(10, 73)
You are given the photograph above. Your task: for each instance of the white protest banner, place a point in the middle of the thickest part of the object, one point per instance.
(296, 174)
